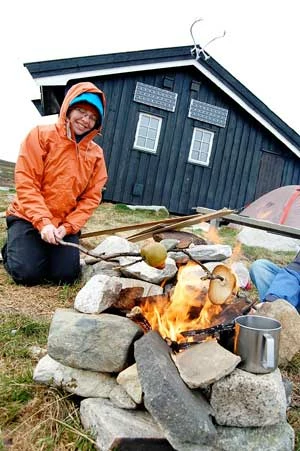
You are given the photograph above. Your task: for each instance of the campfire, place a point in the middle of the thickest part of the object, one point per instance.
(199, 307)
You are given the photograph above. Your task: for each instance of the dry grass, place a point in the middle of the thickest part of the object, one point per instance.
(33, 417)
(48, 421)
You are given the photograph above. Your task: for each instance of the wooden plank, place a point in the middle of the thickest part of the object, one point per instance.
(136, 226)
(278, 229)
(180, 225)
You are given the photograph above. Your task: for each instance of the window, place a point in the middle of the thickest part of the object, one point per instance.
(201, 147)
(147, 132)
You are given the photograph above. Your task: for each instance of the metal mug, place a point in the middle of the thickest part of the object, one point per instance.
(256, 341)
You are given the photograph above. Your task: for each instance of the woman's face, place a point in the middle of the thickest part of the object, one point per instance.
(83, 119)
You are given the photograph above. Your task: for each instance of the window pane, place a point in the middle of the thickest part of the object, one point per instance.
(198, 135)
(197, 145)
(204, 148)
(143, 132)
(206, 137)
(141, 142)
(145, 120)
(203, 156)
(151, 133)
(150, 143)
(153, 122)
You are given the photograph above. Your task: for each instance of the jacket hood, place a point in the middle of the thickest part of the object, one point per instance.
(75, 91)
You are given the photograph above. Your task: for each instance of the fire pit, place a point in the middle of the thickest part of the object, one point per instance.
(186, 315)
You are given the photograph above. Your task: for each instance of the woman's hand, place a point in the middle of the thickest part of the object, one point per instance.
(60, 232)
(50, 233)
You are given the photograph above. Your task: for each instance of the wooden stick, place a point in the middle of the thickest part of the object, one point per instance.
(110, 257)
(135, 226)
(179, 225)
(136, 315)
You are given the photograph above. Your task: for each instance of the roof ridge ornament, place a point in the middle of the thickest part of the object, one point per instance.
(197, 50)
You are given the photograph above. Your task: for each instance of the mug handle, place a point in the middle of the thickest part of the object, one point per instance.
(268, 361)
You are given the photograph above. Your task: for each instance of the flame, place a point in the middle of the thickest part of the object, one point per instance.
(188, 307)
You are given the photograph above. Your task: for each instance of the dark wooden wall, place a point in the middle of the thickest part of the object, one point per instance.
(246, 159)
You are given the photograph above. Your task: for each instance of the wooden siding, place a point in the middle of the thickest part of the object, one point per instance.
(243, 158)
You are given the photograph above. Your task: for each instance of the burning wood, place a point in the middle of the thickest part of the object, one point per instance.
(128, 298)
(136, 315)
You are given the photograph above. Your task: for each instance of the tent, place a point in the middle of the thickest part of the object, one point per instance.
(281, 206)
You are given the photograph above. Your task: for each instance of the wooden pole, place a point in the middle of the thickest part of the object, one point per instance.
(180, 225)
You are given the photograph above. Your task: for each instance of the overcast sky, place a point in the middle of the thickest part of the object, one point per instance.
(260, 47)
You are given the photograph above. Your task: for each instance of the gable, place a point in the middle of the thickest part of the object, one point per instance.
(51, 75)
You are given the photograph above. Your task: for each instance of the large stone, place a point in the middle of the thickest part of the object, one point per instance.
(120, 398)
(183, 414)
(119, 429)
(115, 245)
(93, 342)
(92, 266)
(88, 384)
(98, 294)
(205, 252)
(289, 318)
(198, 368)
(129, 379)
(280, 437)
(249, 400)
(141, 270)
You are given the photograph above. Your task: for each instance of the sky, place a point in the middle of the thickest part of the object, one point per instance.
(260, 47)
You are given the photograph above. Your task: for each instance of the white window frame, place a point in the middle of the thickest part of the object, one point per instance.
(202, 143)
(137, 133)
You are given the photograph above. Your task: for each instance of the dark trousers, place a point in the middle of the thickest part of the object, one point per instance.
(31, 261)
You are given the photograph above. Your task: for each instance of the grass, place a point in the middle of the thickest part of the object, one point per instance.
(35, 417)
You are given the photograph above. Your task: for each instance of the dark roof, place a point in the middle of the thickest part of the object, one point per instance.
(73, 67)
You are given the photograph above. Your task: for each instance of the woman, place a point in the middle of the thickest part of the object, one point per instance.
(59, 176)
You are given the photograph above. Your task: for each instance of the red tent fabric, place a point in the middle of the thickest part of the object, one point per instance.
(281, 206)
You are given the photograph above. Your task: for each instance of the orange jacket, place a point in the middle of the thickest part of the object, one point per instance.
(57, 180)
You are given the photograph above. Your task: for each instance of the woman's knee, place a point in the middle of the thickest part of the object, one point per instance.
(69, 276)
(25, 274)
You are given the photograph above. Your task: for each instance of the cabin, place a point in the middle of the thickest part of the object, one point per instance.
(179, 129)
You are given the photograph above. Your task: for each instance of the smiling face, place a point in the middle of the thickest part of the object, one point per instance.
(83, 118)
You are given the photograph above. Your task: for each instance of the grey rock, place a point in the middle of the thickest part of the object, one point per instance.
(115, 245)
(197, 367)
(244, 399)
(289, 318)
(145, 272)
(280, 437)
(129, 380)
(94, 266)
(205, 252)
(88, 384)
(93, 342)
(181, 413)
(116, 428)
(120, 398)
(98, 294)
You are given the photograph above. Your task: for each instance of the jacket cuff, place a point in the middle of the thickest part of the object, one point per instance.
(41, 223)
(69, 228)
